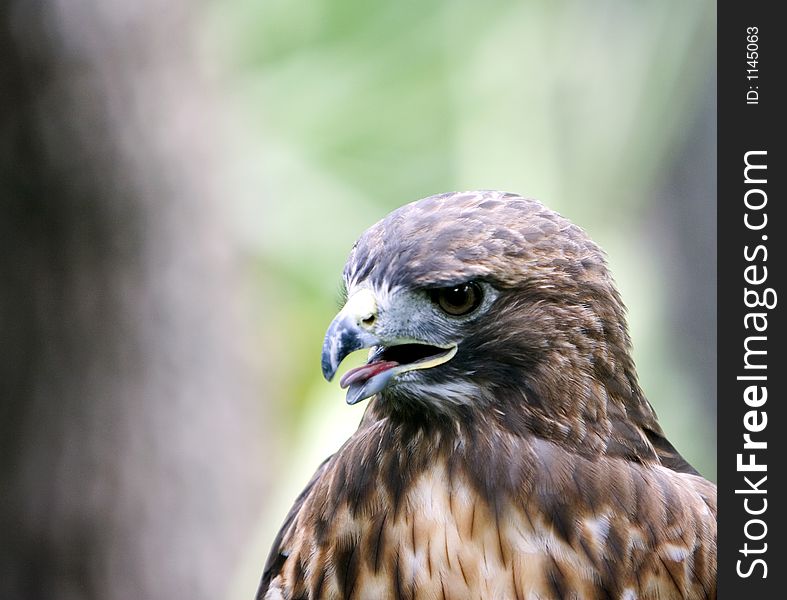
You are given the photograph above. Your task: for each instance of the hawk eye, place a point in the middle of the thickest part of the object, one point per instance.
(458, 300)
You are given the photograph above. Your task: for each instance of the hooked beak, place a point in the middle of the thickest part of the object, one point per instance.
(349, 331)
(354, 329)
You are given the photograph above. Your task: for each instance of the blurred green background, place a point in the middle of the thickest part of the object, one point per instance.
(603, 110)
(276, 132)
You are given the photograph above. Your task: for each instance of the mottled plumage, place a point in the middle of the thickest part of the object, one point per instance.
(507, 451)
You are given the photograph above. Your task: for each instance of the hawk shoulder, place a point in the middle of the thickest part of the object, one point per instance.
(452, 521)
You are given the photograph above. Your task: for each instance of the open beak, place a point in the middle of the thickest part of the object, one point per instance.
(354, 329)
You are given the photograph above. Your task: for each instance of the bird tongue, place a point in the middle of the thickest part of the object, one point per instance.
(366, 372)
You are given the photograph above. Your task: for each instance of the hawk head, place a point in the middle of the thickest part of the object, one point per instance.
(488, 305)
(504, 420)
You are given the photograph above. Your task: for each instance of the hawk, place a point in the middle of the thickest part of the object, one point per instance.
(507, 449)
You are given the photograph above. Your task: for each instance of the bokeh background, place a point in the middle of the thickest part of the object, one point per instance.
(180, 185)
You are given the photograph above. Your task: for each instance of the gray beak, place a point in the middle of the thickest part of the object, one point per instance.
(351, 330)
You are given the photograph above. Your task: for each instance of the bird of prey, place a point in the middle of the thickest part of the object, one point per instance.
(507, 450)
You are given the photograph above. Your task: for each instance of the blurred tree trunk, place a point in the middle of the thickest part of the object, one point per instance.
(129, 423)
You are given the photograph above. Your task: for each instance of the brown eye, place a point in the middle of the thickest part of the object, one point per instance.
(458, 300)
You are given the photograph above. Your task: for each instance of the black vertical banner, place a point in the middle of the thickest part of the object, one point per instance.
(751, 294)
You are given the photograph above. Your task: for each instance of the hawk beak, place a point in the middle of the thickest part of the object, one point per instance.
(351, 330)
(354, 329)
